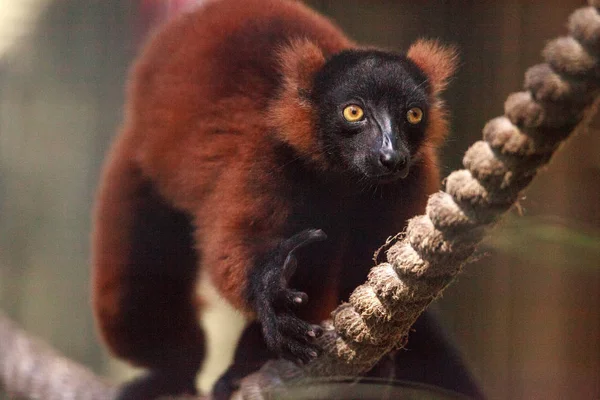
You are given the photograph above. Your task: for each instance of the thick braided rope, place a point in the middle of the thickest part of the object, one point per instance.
(559, 95)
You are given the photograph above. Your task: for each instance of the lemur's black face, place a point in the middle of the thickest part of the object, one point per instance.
(372, 112)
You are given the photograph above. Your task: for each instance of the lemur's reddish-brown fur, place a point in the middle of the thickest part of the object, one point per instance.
(203, 99)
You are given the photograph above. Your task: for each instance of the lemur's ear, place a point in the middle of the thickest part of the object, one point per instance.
(300, 60)
(291, 112)
(437, 61)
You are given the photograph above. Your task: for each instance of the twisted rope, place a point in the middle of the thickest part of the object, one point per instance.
(559, 94)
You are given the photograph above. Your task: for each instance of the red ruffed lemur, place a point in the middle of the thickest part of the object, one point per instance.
(258, 138)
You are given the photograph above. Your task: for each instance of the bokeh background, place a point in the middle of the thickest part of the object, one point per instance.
(526, 315)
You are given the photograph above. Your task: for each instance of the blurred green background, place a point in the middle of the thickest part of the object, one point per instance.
(526, 315)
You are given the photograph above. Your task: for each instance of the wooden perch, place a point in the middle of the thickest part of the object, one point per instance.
(33, 370)
(559, 97)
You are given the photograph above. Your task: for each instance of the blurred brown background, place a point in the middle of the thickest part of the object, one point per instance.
(526, 315)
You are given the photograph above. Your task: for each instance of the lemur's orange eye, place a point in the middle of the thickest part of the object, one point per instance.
(353, 113)
(414, 115)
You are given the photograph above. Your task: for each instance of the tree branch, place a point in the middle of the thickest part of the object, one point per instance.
(33, 370)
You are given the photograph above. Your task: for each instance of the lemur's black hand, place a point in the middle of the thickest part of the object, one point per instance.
(275, 304)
